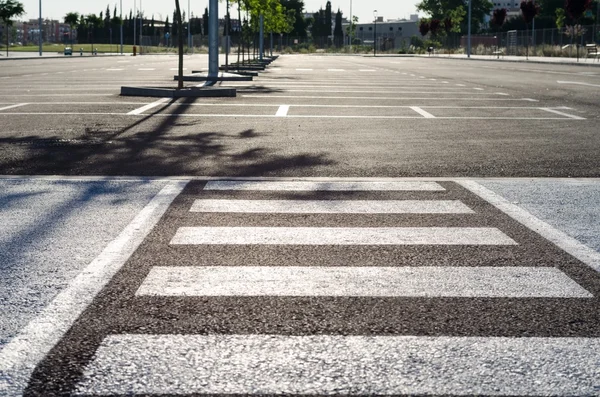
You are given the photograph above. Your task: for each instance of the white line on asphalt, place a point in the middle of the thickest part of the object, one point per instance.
(177, 69)
(341, 365)
(320, 186)
(565, 242)
(148, 106)
(478, 89)
(335, 70)
(73, 94)
(146, 69)
(332, 206)
(460, 85)
(114, 69)
(250, 116)
(422, 112)
(404, 281)
(341, 236)
(303, 70)
(578, 83)
(257, 116)
(501, 93)
(386, 98)
(571, 116)
(282, 111)
(445, 82)
(367, 70)
(14, 106)
(20, 356)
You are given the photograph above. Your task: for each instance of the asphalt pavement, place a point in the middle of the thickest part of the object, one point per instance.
(345, 225)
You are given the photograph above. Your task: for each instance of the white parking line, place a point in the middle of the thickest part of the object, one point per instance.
(571, 116)
(22, 354)
(341, 365)
(578, 83)
(340, 236)
(331, 185)
(148, 106)
(422, 112)
(386, 98)
(335, 70)
(380, 281)
(478, 89)
(13, 106)
(146, 69)
(367, 70)
(282, 111)
(332, 206)
(303, 70)
(114, 69)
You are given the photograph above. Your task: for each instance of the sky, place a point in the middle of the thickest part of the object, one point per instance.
(56, 9)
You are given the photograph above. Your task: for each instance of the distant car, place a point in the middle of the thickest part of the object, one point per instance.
(68, 51)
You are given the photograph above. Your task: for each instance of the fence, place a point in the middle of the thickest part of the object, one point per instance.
(539, 42)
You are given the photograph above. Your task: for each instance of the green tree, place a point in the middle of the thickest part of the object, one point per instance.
(338, 32)
(72, 19)
(8, 10)
(440, 9)
(205, 22)
(300, 24)
(328, 18)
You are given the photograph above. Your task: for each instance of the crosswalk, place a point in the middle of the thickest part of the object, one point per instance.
(359, 288)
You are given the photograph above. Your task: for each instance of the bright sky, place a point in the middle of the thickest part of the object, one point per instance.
(56, 9)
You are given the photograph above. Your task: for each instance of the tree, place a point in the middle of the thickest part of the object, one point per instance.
(328, 18)
(72, 19)
(351, 29)
(441, 9)
(424, 26)
(338, 32)
(8, 10)
(529, 9)
(205, 22)
(498, 18)
(576, 8)
(299, 25)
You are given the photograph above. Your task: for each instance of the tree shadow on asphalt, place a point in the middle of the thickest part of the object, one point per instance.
(150, 148)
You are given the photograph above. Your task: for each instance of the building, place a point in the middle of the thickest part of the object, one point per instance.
(391, 34)
(53, 31)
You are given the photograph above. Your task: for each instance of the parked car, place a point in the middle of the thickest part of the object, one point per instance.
(68, 51)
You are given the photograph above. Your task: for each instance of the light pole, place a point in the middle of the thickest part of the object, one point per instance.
(375, 33)
(40, 26)
(121, 18)
(189, 28)
(469, 32)
(134, 22)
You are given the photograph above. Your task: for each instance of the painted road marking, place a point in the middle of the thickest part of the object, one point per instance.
(335, 70)
(13, 106)
(341, 236)
(146, 69)
(282, 111)
(424, 281)
(460, 85)
(303, 70)
(334, 364)
(177, 69)
(571, 116)
(578, 83)
(333, 206)
(501, 93)
(22, 354)
(148, 106)
(422, 112)
(387, 98)
(478, 89)
(367, 70)
(114, 69)
(324, 186)
(565, 242)
(257, 116)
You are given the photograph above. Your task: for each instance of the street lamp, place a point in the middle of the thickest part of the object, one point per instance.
(375, 33)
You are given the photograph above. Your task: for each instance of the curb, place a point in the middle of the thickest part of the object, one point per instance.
(597, 64)
(205, 77)
(192, 92)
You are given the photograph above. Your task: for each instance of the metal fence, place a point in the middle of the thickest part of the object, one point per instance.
(540, 42)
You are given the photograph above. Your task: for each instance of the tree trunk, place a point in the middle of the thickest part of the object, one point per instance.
(240, 31)
(180, 38)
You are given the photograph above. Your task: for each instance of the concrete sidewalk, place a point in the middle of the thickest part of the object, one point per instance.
(511, 58)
